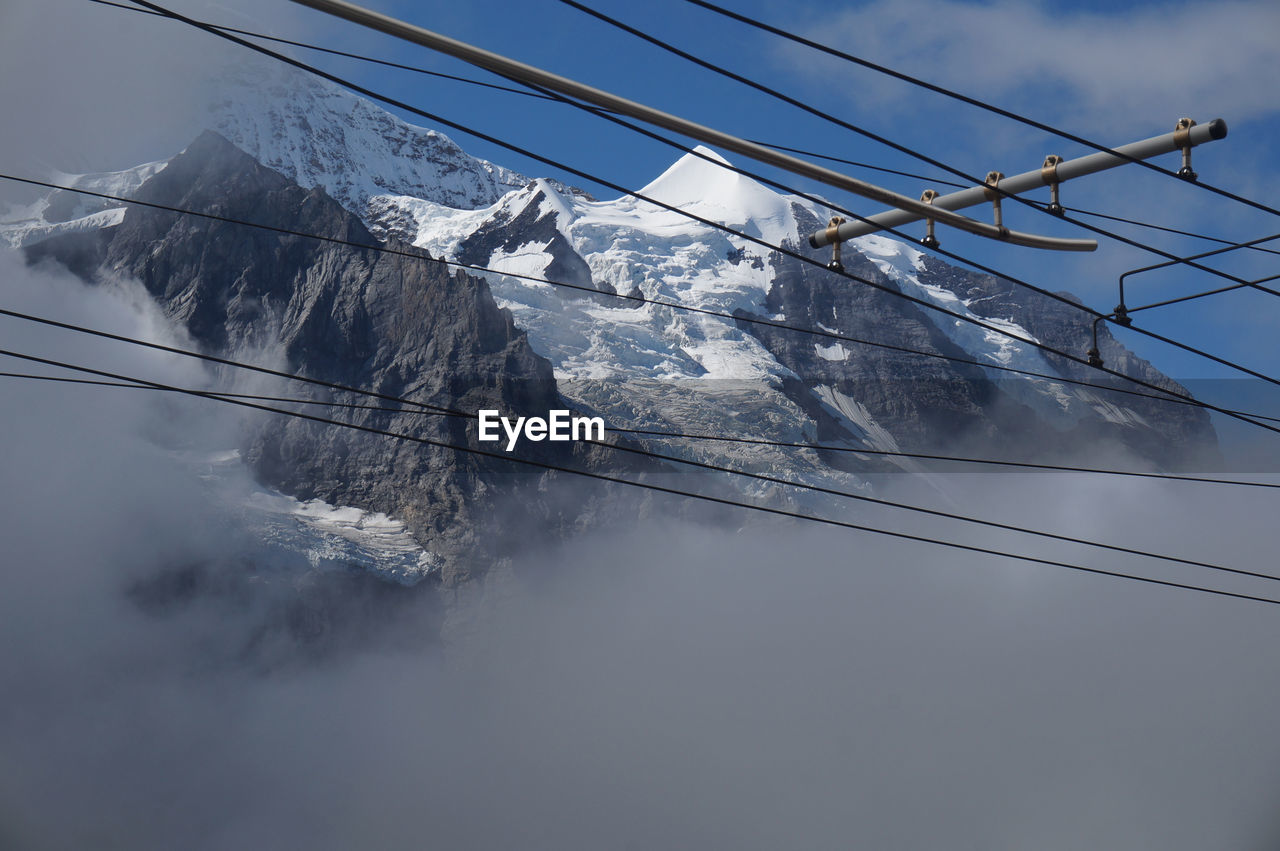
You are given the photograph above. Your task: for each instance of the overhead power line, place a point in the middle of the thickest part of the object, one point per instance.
(645, 485)
(1164, 396)
(972, 101)
(901, 506)
(1162, 228)
(1123, 309)
(1092, 356)
(984, 191)
(972, 194)
(332, 52)
(714, 438)
(512, 69)
(525, 92)
(716, 225)
(1091, 362)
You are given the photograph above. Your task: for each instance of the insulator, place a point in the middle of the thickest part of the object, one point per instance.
(1182, 138)
(833, 233)
(929, 240)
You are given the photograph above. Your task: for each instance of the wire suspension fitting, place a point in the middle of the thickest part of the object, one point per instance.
(1049, 173)
(1182, 138)
(930, 240)
(833, 227)
(1054, 170)
(1094, 355)
(992, 183)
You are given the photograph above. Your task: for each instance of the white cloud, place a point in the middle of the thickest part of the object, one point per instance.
(1127, 67)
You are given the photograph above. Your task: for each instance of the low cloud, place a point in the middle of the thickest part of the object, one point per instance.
(1118, 69)
(663, 685)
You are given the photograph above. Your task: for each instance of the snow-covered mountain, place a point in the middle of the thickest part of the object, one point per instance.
(320, 135)
(659, 367)
(639, 365)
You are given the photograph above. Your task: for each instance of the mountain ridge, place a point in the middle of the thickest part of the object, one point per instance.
(524, 346)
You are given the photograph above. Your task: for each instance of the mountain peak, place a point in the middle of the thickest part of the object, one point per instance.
(318, 134)
(704, 183)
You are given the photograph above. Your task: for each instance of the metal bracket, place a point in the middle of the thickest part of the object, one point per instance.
(1049, 173)
(832, 227)
(1056, 172)
(1094, 356)
(929, 240)
(992, 182)
(1182, 138)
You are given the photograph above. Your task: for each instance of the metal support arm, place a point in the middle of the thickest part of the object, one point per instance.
(527, 73)
(1050, 174)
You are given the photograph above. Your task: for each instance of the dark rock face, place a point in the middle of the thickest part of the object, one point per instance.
(532, 224)
(1170, 435)
(941, 405)
(400, 326)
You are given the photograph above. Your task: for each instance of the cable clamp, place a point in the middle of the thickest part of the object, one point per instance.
(992, 182)
(1182, 138)
(1049, 174)
(929, 240)
(1093, 355)
(833, 236)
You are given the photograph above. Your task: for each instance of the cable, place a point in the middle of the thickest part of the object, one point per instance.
(420, 255)
(715, 225)
(936, 163)
(540, 96)
(831, 51)
(1015, 280)
(258, 396)
(333, 52)
(1212, 253)
(493, 140)
(1180, 299)
(817, 447)
(1163, 228)
(903, 506)
(1255, 284)
(644, 485)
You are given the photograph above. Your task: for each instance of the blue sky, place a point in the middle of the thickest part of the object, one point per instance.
(1114, 73)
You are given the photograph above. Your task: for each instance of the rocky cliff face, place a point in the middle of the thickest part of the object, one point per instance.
(931, 404)
(670, 369)
(399, 326)
(1171, 436)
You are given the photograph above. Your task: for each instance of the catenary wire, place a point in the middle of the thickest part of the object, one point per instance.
(1222, 361)
(1216, 291)
(524, 92)
(887, 503)
(1257, 284)
(605, 114)
(678, 435)
(933, 87)
(332, 52)
(1169, 397)
(825, 116)
(644, 485)
(715, 225)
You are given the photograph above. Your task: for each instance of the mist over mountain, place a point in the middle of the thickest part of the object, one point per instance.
(302, 155)
(234, 629)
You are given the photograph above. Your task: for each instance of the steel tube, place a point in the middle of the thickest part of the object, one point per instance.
(1025, 182)
(527, 73)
